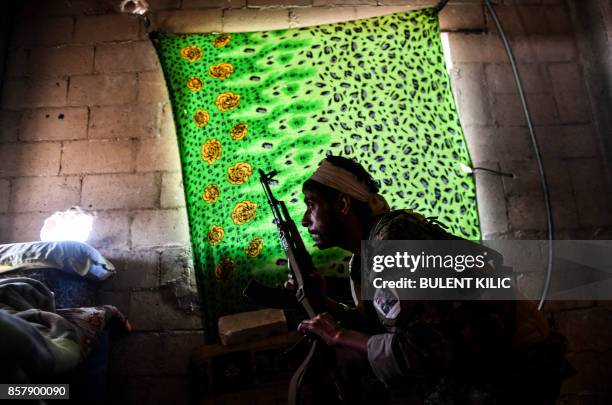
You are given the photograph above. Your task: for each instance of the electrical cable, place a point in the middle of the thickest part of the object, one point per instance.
(441, 5)
(536, 149)
(484, 169)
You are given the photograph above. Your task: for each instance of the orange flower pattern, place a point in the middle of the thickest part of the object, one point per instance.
(239, 173)
(228, 100)
(221, 71)
(255, 247)
(244, 212)
(211, 151)
(211, 194)
(195, 84)
(201, 117)
(215, 234)
(239, 131)
(221, 40)
(225, 272)
(191, 53)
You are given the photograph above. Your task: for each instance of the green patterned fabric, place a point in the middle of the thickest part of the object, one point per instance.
(374, 89)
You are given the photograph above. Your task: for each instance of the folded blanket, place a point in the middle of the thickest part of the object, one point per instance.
(36, 341)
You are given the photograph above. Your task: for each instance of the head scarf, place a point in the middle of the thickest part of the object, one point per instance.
(346, 182)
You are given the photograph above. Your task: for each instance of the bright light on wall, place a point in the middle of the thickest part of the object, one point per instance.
(447, 51)
(72, 224)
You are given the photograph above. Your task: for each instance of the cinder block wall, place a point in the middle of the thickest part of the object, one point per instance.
(85, 120)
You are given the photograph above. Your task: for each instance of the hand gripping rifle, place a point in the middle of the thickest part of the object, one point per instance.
(308, 292)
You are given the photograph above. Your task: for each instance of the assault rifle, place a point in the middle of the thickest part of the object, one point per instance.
(308, 292)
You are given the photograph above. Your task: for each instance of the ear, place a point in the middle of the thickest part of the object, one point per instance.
(343, 204)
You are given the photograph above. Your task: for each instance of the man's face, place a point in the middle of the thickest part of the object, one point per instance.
(322, 222)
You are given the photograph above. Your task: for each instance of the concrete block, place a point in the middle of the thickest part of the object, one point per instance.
(125, 121)
(510, 19)
(126, 57)
(471, 94)
(157, 155)
(214, 3)
(594, 210)
(491, 202)
(527, 177)
(278, 3)
(26, 93)
(172, 192)
(476, 48)
(565, 211)
(67, 8)
(150, 310)
(312, 16)
(110, 230)
(136, 269)
(569, 141)
(190, 21)
(45, 31)
(534, 78)
(30, 159)
(566, 77)
(526, 211)
(103, 89)
(498, 143)
(97, 156)
(335, 3)
(534, 19)
(17, 228)
(168, 129)
(61, 61)
(457, 17)
(543, 109)
(104, 28)
(368, 11)
(246, 20)
(587, 175)
(570, 93)
(544, 48)
(152, 88)
(251, 326)
(5, 191)
(507, 110)
(120, 191)
(177, 266)
(573, 325)
(44, 193)
(160, 228)
(559, 20)
(54, 124)
(9, 125)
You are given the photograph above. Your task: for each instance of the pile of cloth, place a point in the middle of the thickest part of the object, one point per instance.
(38, 341)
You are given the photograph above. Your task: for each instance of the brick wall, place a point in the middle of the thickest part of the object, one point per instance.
(85, 119)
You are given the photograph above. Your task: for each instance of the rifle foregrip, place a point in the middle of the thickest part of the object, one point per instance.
(259, 294)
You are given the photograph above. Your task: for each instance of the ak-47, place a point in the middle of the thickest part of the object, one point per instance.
(308, 292)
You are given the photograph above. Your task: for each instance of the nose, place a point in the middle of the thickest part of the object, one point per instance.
(306, 220)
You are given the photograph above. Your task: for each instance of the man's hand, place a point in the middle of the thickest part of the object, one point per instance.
(323, 325)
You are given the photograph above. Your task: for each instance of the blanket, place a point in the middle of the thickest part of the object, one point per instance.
(36, 340)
